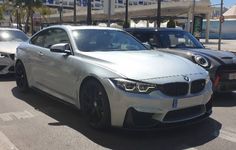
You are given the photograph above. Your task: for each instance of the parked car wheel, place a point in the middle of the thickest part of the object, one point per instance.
(94, 104)
(21, 78)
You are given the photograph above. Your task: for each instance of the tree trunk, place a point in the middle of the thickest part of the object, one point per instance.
(27, 20)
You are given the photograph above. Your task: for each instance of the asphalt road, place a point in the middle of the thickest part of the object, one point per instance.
(34, 121)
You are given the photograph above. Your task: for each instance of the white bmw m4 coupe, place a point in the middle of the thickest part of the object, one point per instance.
(113, 78)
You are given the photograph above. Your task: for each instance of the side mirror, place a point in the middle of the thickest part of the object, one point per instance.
(148, 46)
(61, 48)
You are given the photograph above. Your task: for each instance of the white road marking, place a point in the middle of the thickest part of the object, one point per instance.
(10, 116)
(228, 134)
(23, 115)
(5, 117)
(190, 149)
(184, 147)
(5, 143)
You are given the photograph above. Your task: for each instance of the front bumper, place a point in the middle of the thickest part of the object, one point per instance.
(7, 64)
(155, 108)
(140, 120)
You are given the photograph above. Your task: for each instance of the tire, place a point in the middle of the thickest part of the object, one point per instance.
(95, 104)
(21, 78)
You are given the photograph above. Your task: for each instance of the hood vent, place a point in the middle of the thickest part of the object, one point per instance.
(226, 57)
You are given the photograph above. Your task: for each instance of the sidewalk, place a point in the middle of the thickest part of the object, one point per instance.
(229, 45)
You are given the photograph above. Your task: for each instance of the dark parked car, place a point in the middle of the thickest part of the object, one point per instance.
(220, 64)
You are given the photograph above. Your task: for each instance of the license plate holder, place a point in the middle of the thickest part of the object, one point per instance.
(232, 76)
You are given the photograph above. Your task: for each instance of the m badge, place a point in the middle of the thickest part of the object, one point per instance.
(175, 103)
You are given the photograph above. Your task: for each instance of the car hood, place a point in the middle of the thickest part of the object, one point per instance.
(145, 64)
(9, 47)
(214, 53)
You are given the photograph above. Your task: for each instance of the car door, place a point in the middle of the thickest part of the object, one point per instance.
(36, 51)
(59, 68)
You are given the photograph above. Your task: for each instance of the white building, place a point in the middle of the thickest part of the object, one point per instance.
(98, 4)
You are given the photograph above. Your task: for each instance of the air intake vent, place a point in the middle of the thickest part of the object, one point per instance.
(197, 86)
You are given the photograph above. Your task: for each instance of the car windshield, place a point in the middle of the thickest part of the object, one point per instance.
(12, 35)
(90, 40)
(170, 39)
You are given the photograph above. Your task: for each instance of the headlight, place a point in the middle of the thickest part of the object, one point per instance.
(202, 61)
(2, 55)
(133, 86)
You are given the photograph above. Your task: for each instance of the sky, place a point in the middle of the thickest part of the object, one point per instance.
(227, 3)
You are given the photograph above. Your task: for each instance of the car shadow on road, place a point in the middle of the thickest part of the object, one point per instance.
(224, 99)
(174, 139)
(7, 77)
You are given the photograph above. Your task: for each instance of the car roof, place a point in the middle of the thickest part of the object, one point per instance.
(153, 29)
(72, 27)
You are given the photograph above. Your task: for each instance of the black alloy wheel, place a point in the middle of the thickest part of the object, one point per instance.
(21, 78)
(95, 104)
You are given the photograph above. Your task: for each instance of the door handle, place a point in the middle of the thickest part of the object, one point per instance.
(40, 54)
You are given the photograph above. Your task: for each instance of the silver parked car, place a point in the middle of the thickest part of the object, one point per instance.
(113, 78)
(10, 39)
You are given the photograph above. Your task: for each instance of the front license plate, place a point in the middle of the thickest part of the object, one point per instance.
(232, 76)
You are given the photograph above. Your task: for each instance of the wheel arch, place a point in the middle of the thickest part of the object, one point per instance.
(17, 61)
(83, 81)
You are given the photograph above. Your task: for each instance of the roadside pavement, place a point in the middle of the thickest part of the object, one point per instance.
(229, 45)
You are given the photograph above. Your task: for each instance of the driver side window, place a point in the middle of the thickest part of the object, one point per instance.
(55, 36)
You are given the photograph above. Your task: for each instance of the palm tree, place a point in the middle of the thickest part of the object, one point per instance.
(1, 12)
(29, 5)
(6, 7)
(44, 11)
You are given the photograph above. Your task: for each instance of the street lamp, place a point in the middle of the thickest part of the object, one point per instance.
(20, 25)
(89, 13)
(32, 2)
(193, 14)
(75, 12)
(17, 16)
(60, 11)
(158, 13)
(220, 23)
(126, 24)
(109, 13)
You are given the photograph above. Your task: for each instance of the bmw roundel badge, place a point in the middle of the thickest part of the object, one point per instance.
(186, 78)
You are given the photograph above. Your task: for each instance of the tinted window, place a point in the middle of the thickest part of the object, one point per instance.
(12, 35)
(105, 40)
(168, 39)
(177, 39)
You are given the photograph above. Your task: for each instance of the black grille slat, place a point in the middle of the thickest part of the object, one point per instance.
(12, 68)
(226, 69)
(2, 67)
(183, 114)
(175, 89)
(197, 86)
